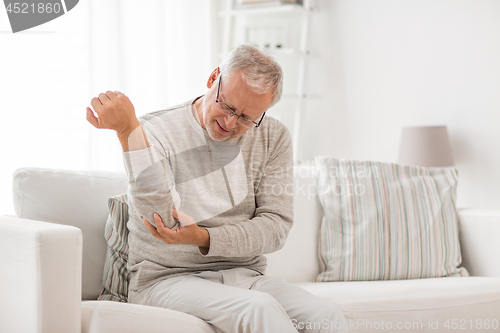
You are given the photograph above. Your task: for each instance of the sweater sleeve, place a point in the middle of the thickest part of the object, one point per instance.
(268, 230)
(151, 185)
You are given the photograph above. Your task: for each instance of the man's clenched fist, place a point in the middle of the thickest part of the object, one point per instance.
(114, 111)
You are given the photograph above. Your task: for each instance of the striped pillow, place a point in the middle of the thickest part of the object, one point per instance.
(115, 277)
(386, 221)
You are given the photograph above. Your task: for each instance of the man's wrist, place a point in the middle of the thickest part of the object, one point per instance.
(128, 129)
(132, 137)
(204, 240)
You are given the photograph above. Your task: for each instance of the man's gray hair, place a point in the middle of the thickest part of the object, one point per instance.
(260, 71)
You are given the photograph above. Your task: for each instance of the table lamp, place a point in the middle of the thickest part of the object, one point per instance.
(427, 146)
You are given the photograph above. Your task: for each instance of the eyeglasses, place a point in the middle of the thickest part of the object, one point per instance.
(229, 111)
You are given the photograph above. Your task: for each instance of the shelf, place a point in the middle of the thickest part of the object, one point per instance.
(285, 52)
(277, 52)
(251, 23)
(263, 9)
(297, 96)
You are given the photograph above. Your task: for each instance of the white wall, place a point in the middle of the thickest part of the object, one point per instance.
(387, 64)
(49, 74)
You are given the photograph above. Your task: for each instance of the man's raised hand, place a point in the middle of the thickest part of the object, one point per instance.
(114, 111)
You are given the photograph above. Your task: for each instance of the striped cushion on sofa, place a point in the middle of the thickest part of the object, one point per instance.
(115, 277)
(386, 221)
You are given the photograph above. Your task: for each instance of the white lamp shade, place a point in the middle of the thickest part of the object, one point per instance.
(427, 146)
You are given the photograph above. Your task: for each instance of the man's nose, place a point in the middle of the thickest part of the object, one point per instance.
(231, 121)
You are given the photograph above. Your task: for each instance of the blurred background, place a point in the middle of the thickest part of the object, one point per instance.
(356, 73)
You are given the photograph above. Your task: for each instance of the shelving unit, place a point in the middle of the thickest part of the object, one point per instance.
(265, 9)
(296, 19)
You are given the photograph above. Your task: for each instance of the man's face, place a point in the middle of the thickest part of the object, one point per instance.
(238, 95)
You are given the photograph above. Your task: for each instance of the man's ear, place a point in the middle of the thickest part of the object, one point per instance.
(213, 77)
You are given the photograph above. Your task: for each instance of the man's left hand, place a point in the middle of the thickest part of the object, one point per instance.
(187, 231)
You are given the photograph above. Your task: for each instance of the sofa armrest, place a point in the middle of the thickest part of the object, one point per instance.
(40, 276)
(479, 241)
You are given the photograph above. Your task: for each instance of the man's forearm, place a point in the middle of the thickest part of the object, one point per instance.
(133, 138)
(147, 170)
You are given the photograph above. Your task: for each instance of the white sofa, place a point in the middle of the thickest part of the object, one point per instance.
(51, 271)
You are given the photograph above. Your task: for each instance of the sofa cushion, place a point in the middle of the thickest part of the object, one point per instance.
(378, 306)
(386, 221)
(115, 277)
(116, 317)
(298, 260)
(76, 198)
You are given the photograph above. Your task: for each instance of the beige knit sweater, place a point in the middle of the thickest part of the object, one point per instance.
(240, 190)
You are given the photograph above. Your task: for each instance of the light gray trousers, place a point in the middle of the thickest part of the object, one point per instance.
(241, 300)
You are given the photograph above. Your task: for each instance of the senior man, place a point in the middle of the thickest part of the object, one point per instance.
(211, 180)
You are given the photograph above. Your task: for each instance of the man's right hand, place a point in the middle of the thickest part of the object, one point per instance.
(115, 111)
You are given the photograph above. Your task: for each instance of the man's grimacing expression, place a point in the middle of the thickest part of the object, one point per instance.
(236, 93)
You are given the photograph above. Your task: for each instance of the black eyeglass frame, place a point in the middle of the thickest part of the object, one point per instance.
(233, 112)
